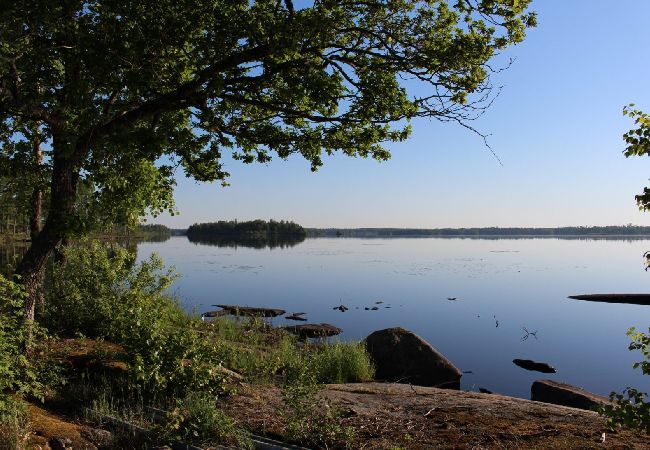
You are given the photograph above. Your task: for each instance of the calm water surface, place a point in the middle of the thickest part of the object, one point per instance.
(515, 283)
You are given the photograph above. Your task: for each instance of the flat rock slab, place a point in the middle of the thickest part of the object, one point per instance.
(549, 391)
(534, 366)
(402, 356)
(237, 310)
(314, 330)
(387, 416)
(633, 299)
(297, 316)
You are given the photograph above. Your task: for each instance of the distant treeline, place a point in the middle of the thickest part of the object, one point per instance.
(613, 230)
(154, 232)
(254, 229)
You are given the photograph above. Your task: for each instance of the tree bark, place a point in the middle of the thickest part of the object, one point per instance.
(58, 224)
(37, 195)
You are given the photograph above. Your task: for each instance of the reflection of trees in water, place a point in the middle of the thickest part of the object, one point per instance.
(10, 255)
(252, 242)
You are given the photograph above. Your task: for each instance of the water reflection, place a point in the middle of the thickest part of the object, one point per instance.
(250, 242)
(521, 285)
(10, 255)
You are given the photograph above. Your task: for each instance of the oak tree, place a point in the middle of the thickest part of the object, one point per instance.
(124, 92)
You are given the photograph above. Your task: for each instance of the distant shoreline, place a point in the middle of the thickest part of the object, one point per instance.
(488, 232)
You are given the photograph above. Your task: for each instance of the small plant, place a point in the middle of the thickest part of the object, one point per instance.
(14, 431)
(631, 408)
(310, 419)
(198, 419)
(342, 363)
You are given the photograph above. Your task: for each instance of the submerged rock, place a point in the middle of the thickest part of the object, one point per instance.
(529, 364)
(314, 330)
(297, 316)
(549, 391)
(248, 311)
(403, 357)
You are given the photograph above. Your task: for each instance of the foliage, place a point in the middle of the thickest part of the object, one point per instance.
(14, 432)
(310, 419)
(342, 363)
(197, 419)
(260, 353)
(18, 373)
(271, 229)
(255, 233)
(123, 93)
(631, 409)
(100, 293)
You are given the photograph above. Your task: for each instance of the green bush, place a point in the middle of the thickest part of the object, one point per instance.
(14, 432)
(100, 293)
(19, 375)
(341, 362)
(22, 373)
(631, 408)
(198, 419)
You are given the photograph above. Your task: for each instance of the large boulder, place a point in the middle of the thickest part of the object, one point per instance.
(404, 357)
(549, 391)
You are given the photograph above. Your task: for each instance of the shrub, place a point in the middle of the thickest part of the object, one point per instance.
(14, 431)
(198, 419)
(631, 408)
(99, 292)
(21, 373)
(342, 363)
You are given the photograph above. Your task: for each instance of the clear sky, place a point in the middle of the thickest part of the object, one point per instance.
(556, 126)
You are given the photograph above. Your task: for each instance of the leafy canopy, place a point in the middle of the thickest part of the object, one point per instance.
(638, 144)
(124, 92)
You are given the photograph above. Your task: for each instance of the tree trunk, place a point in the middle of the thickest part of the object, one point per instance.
(37, 195)
(57, 226)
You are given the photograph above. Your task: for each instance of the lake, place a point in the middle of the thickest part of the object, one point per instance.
(511, 298)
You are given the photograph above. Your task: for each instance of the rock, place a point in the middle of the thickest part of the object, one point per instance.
(633, 299)
(314, 330)
(534, 365)
(402, 356)
(374, 308)
(549, 391)
(249, 311)
(297, 316)
(215, 313)
(485, 391)
(97, 436)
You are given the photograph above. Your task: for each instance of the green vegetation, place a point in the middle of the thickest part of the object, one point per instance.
(153, 232)
(159, 356)
(251, 229)
(122, 87)
(255, 233)
(631, 408)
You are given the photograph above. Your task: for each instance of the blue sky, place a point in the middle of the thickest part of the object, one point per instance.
(556, 126)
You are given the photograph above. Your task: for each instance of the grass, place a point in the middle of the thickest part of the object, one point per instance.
(14, 425)
(262, 354)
